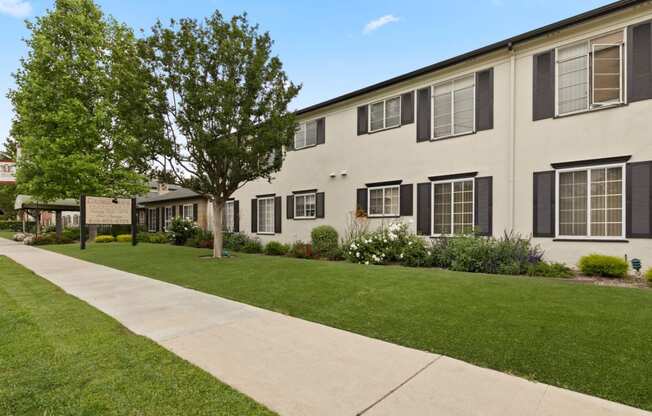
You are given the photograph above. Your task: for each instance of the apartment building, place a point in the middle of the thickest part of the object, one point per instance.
(548, 134)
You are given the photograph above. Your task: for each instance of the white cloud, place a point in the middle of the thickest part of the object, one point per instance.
(15, 8)
(377, 23)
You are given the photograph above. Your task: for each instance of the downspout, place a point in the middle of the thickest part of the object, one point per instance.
(512, 138)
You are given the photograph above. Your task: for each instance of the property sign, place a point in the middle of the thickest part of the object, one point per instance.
(108, 210)
(7, 172)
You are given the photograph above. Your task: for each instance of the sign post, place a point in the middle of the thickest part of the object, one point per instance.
(114, 211)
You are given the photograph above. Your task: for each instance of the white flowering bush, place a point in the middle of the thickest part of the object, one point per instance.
(386, 245)
(180, 230)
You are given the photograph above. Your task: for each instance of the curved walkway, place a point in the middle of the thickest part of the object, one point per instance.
(297, 367)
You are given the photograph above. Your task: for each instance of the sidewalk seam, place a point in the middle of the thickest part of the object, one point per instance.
(404, 382)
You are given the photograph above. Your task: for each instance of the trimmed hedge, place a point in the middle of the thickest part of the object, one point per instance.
(325, 242)
(123, 238)
(104, 239)
(17, 226)
(603, 266)
(648, 275)
(274, 248)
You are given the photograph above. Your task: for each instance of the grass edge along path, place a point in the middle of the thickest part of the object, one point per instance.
(591, 339)
(59, 355)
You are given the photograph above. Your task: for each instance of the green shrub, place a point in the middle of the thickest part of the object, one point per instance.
(49, 238)
(180, 230)
(123, 238)
(604, 266)
(648, 275)
(154, 238)
(17, 226)
(274, 248)
(235, 241)
(416, 254)
(545, 269)
(104, 239)
(252, 246)
(71, 233)
(325, 242)
(300, 250)
(379, 247)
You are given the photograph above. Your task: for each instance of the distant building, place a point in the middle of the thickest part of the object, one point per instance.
(7, 172)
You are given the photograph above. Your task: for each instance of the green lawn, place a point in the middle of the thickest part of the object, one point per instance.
(596, 340)
(60, 356)
(7, 234)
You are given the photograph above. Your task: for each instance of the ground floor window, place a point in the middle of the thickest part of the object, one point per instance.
(188, 212)
(305, 206)
(591, 202)
(452, 207)
(266, 215)
(168, 217)
(384, 201)
(228, 219)
(152, 220)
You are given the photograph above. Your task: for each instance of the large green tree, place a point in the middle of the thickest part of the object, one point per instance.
(222, 99)
(78, 106)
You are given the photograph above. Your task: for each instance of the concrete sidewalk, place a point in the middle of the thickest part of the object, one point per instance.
(297, 367)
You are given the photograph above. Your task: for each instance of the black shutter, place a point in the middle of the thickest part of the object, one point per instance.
(407, 108)
(254, 215)
(181, 211)
(236, 216)
(289, 207)
(161, 218)
(639, 200)
(361, 200)
(319, 201)
(147, 218)
(277, 215)
(543, 86)
(423, 208)
(423, 114)
(406, 200)
(321, 130)
(362, 120)
(639, 62)
(483, 210)
(544, 204)
(195, 212)
(174, 211)
(484, 100)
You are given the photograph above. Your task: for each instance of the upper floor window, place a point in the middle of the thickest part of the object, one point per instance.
(384, 201)
(266, 215)
(454, 107)
(385, 114)
(590, 74)
(591, 202)
(306, 135)
(452, 207)
(305, 206)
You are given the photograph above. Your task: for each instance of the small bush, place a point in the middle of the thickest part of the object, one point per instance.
(123, 238)
(104, 239)
(379, 247)
(274, 248)
(604, 266)
(252, 246)
(71, 233)
(324, 242)
(415, 254)
(47, 239)
(545, 269)
(181, 230)
(154, 238)
(235, 241)
(300, 250)
(17, 226)
(648, 275)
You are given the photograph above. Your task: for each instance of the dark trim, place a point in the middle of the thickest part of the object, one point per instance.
(535, 204)
(591, 162)
(504, 44)
(265, 196)
(307, 191)
(386, 183)
(454, 176)
(384, 129)
(588, 240)
(591, 110)
(629, 207)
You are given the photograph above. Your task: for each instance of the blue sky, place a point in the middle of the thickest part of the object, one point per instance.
(329, 47)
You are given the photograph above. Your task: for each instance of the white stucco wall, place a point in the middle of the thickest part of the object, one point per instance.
(510, 152)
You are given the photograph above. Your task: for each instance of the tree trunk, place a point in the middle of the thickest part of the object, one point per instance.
(218, 238)
(92, 233)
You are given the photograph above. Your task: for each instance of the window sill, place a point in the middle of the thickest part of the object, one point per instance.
(304, 147)
(264, 233)
(452, 136)
(591, 240)
(383, 216)
(591, 110)
(383, 129)
(304, 218)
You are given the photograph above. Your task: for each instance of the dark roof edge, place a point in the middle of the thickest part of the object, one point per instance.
(580, 18)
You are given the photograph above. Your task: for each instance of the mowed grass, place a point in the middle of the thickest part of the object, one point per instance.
(59, 356)
(596, 340)
(7, 234)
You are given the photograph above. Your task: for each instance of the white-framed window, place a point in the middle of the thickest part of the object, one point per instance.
(591, 202)
(452, 207)
(188, 212)
(153, 220)
(229, 216)
(305, 206)
(590, 74)
(385, 114)
(168, 217)
(454, 107)
(384, 201)
(306, 135)
(266, 215)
